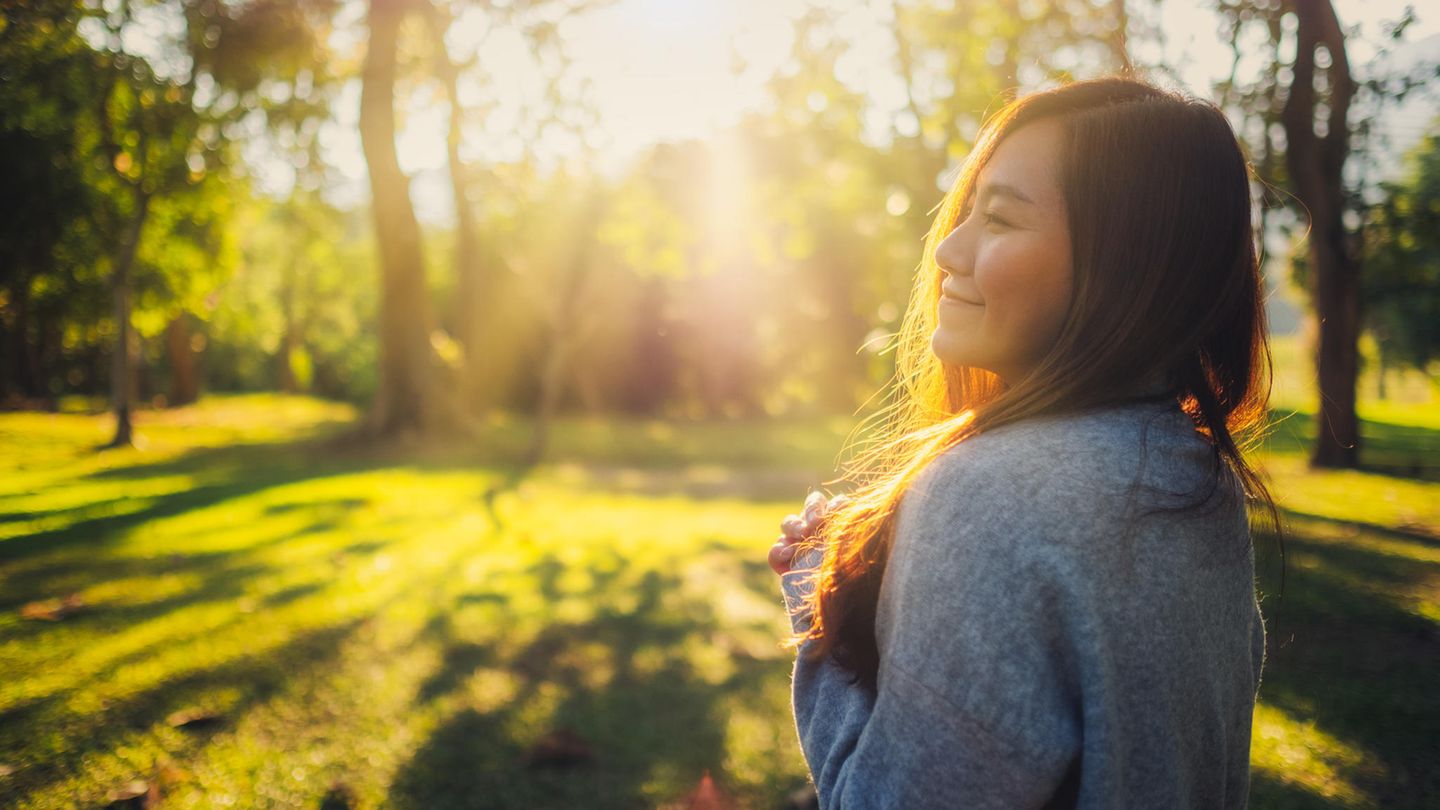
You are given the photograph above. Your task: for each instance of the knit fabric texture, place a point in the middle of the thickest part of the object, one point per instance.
(1046, 638)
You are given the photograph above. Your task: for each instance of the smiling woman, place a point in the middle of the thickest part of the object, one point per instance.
(1007, 264)
(1041, 592)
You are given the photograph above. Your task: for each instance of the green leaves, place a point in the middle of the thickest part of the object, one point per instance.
(1402, 262)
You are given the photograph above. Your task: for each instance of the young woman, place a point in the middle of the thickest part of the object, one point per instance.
(1041, 591)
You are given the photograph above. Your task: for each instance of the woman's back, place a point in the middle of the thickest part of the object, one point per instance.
(1049, 638)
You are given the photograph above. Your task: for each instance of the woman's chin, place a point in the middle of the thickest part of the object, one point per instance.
(950, 347)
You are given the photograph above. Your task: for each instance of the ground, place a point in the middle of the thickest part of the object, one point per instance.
(263, 611)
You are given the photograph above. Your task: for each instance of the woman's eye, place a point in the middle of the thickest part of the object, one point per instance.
(991, 219)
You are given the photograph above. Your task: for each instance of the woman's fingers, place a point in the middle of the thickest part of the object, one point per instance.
(817, 510)
(814, 506)
(781, 554)
(801, 527)
(794, 527)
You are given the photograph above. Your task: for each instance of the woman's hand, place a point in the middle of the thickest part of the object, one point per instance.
(795, 528)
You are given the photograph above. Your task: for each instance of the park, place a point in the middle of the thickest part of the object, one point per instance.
(396, 410)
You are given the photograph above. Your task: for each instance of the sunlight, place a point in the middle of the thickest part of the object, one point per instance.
(730, 182)
(1297, 753)
(336, 485)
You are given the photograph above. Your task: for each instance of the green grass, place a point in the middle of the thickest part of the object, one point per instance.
(371, 617)
(404, 621)
(1348, 705)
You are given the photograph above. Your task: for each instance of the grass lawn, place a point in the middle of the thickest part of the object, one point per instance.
(266, 614)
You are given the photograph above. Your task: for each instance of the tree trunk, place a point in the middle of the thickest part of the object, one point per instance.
(184, 377)
(1316, 165)
(567, 326)
(468, 261)
(652, 368)
(1337, 304)
(552, 385)
(290, 339)
(404, 399)
(19, 365)
(121, 372)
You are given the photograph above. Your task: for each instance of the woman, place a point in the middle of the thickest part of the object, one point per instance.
(1041, 591)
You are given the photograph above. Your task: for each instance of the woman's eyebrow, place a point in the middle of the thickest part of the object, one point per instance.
(1005, 190)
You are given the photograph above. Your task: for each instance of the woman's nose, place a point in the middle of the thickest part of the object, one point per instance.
(950, 253)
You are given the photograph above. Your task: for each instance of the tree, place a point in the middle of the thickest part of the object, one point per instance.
(1317, 143)
(1402, 262)
(291, 315)
(164, 133)
(471, 266)
(48, 231)
(408, 398)
(1297, 116)
(477, 262)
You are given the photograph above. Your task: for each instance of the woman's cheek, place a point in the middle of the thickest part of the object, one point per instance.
(1000, 273)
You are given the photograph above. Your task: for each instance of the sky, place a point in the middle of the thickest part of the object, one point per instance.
(664, 70)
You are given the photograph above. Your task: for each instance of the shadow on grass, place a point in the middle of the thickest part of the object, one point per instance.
(1350, 650)
(235, 472)
(698, 482)
(1269, 793)
(1424, 535)
(621, 680)
(1399, 451)
(221, 573)
(250, 679)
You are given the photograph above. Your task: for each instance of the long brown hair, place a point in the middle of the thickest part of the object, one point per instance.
(1167, 285)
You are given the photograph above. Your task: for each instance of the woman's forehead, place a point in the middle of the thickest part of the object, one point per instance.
(1025, 165)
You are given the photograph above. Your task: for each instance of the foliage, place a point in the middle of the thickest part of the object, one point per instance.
(52, 298)
(1402, 259)
(111, 136)
(300, 289)
(760, 271)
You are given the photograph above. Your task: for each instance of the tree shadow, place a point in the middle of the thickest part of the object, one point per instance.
(1350, 649)
(697, 482)
(219, 572)
(1397, 451)
(95, 533)
(1424, 535)
(640, 704)
(1270, 793)
(248, 679)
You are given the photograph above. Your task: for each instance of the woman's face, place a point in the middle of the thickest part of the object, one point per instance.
(1007, 266)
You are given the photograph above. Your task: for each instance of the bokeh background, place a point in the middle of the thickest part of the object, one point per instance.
(400, 397)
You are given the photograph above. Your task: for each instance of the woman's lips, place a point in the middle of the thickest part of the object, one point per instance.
(955, 299)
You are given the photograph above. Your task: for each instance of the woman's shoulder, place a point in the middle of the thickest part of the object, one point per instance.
(1067, 470)
(1103, 441)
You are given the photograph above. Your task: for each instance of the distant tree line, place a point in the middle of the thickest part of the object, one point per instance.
(757, 273)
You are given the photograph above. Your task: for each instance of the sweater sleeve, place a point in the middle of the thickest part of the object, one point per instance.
(977, 705)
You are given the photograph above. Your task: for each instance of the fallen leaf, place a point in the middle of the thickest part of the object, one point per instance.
(137, 794)
(708, 796)
(52, 610)
(194, 719)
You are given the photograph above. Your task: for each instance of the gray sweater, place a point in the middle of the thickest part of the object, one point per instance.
(1042, 642)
